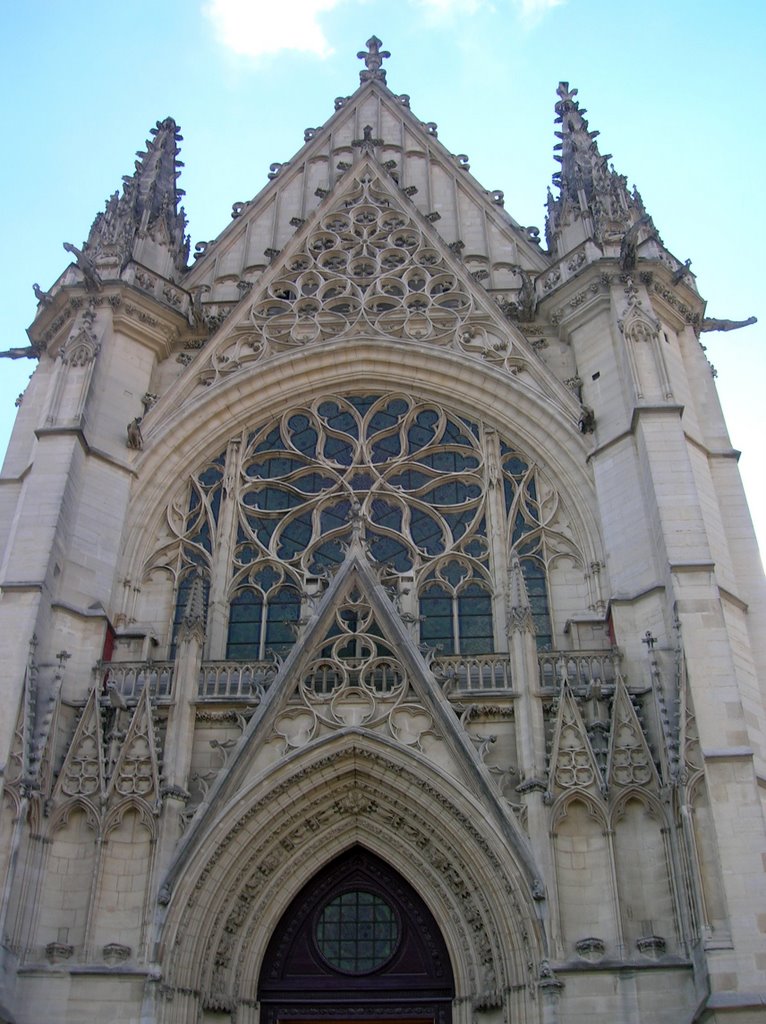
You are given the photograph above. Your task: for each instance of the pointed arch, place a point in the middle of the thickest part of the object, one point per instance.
(706, 865)
(584, 870)
(60, 816)
(357, 931)
(124, 871)
(354, 788)
(118, 811)
(648, 912)
(70, 861)
(195, 435)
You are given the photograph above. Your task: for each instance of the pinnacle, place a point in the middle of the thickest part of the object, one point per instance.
(194, 613)
(520, 610)
(145, 221)
(592, 193)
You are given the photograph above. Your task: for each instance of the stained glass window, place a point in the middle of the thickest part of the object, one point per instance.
(357, 932)
(420, 480)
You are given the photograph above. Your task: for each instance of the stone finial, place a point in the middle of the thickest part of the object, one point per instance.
(367, 143)
(373, 58)
(194, 618)
(520, 611)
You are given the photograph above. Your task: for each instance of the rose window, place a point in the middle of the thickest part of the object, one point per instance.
(442, 502)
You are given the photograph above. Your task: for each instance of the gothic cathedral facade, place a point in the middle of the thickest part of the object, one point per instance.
(403, 659)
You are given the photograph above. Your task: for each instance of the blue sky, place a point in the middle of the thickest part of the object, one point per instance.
(675, 88)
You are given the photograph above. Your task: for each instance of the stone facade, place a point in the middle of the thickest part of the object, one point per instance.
(381, 525)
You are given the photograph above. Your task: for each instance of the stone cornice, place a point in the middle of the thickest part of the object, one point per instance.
(135, 312)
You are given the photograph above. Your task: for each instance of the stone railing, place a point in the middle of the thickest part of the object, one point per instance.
(580, 667)
(218, 680)
(247, 681)
(131, 677)
(235, 680)
(473, 672)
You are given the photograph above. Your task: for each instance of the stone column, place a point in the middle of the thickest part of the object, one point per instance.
(179, 737)
(530, 734)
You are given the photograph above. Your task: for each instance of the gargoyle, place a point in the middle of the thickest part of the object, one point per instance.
(709, 324)
(85, 265)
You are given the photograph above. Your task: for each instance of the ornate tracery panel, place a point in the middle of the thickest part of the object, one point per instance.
(271, 516)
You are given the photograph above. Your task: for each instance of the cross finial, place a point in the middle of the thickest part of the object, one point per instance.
(373, 58)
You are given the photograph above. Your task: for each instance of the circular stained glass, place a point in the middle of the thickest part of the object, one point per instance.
(357, 932)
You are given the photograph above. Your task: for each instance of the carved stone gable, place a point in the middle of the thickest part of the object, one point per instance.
(136, 771)
(368, 264)
(356, 670)
(630, 761)
(572, 763)
(82, 773)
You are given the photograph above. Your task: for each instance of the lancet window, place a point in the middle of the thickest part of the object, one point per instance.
(442, 502)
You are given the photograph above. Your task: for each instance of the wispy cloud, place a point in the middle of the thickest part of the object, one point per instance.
(253, 29)
(529, 12)
(441, 9)
(532, 11)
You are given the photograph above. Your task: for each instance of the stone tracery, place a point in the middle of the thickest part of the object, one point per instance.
(266, 520)
(365, 269)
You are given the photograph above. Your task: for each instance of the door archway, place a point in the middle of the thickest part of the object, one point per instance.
(357, 943)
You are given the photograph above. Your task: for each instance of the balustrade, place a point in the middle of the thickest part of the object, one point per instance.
(131, 677)
(474, 672)
(247, 681)
(235, 680)
(581, 668)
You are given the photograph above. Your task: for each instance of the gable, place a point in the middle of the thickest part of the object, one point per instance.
(356, 672)
(367, 266)
(438, 182)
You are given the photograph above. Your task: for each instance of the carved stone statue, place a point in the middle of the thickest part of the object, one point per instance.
(587, 422)
(526, 303)
(135, 440)
(42, 297)
(629, 246)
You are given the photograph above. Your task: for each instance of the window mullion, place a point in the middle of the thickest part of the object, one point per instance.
(456, 622)
(223, 553)
(264, 622)
(498, 555)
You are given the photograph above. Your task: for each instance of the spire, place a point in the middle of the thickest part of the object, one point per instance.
(592, 195)
(583, 169)
(145, 222)
(373, 58)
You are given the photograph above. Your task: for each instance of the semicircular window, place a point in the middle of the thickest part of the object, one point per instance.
(357, 932)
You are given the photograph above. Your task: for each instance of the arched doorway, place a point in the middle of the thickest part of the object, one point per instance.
(357, 943)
